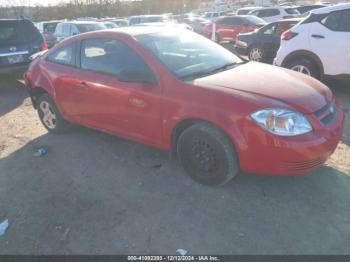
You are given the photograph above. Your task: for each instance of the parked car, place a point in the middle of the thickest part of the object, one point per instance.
(109, 25)
(273, 14)
(68, 29)
(228, 27)
(213, 16)
(120, 22)
(197, 23)
(246, 10)
(262, 44)
(183, 17)
(19, 39)
(306, 8)
(178, 91)
(168, 24)
(142, 19)
(320, 45)
(47, 29)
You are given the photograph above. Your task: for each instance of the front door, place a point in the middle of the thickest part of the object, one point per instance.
(112, 103)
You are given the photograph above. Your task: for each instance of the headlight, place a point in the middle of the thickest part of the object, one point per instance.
(282, 122)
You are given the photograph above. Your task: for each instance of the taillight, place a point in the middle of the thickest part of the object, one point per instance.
(44, 46)
(287, 35)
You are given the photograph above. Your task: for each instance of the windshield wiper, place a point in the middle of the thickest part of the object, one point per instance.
(223, 67)
(210, 72)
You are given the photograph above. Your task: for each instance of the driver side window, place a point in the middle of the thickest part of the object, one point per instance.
(110, 57)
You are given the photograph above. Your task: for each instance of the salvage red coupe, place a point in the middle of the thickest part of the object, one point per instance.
(178, 91)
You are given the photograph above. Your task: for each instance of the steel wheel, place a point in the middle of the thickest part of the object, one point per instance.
(207, 155)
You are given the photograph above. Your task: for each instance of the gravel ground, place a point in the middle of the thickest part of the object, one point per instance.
(97, 194)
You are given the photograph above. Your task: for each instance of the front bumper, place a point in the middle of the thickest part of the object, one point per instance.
(241, 50)
(269, 154)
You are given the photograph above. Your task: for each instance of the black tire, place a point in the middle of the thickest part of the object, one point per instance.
(207, 155)
(310, 66)
(217, 38)
(252, 58)
(61, 125)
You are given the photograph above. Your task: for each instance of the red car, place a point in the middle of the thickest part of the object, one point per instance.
(178, 91)
(228, 27)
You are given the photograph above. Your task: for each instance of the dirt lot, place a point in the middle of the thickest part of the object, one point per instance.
(96, 194)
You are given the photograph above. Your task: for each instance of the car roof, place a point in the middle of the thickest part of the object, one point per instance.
(327, 9)
(134, 31)
(297, 19)
(250, 8)
(81, 22)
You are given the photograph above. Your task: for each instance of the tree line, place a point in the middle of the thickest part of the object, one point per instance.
(97, 8)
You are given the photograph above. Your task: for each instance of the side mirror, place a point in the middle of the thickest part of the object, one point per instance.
(75, 33)
(135, 76)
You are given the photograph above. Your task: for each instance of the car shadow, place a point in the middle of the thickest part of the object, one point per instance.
(93, 193)
(12, 94)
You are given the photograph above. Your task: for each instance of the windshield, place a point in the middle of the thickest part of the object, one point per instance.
(188, 55)
(83, 28)
(255, 20)
(153, 19)
(50, 27)
(292, 11)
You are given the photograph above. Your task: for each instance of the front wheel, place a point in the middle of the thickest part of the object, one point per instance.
(207, 155)
(50, 116)
(256, 54)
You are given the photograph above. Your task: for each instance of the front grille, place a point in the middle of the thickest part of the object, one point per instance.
(326, 114)
(302, 165)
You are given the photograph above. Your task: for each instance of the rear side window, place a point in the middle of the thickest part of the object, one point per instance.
(65, 55)
(243, 11)
(337, 21)
(292, 11)
(268, 12)
(66, 29)
(229, 21)
(59, 29)
(110, 56)
(17, 32)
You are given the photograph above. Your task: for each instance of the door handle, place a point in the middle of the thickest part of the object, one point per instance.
(82, 85)
(318, 36)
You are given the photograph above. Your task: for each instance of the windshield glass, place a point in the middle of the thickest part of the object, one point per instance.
(255, 20)
(292, 11)
(50, 27)
(83, 28)
(188, 55)
(152, 19)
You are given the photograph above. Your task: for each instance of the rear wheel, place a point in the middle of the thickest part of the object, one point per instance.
(305, 66)
(207, 154)
(50, 116)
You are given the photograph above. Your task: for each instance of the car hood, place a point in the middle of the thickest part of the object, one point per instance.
(305, 94)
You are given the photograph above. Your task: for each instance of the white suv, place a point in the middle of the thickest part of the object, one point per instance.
(319, 45)
(274, 14)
